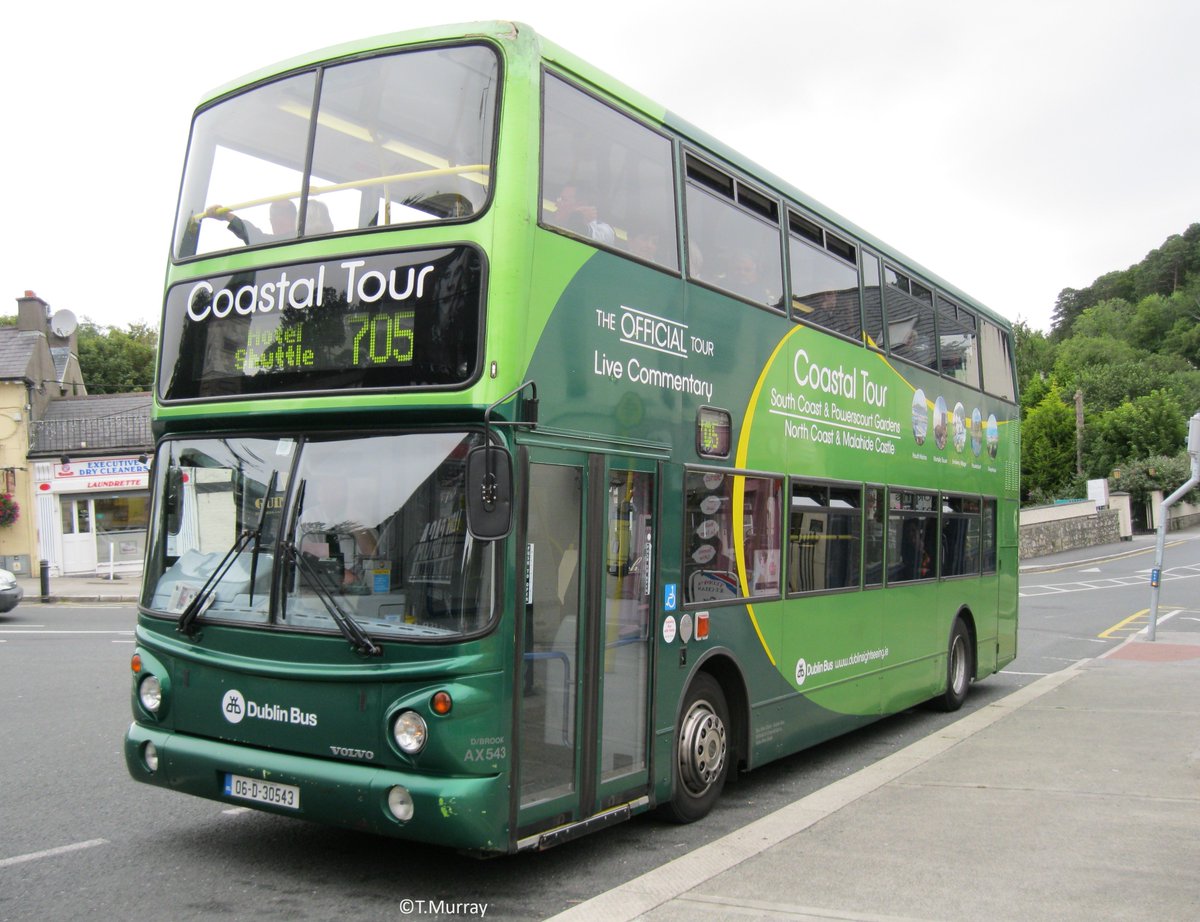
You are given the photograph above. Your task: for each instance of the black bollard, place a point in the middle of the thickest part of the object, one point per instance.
(44, 566)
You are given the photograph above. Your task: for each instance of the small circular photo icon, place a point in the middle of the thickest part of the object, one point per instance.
(920, 417)
(939, 423)
(960, 427)
(976, 432)
(993, 436)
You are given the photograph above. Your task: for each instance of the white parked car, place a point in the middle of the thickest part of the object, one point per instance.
(10, 591)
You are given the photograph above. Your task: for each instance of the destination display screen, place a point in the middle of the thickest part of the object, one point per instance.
(409, 320)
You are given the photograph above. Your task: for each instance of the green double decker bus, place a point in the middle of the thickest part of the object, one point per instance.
(527, 459)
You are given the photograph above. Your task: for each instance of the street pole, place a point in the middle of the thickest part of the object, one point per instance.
(1193, 448)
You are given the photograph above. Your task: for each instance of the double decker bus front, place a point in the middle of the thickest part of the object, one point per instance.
(318, 627)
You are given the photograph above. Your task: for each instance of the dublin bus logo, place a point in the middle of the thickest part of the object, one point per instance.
(233, 706)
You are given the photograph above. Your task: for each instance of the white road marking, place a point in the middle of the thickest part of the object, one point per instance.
(51, 852)
(121, 633)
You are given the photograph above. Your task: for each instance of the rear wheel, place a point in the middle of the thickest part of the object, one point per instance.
(701, 761)
(958, 668)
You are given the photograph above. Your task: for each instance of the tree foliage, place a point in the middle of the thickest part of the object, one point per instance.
(1153, 424)
(1164, 473)
(1048, 445)
(116, 361)
(1165, 271)
(1130, 343)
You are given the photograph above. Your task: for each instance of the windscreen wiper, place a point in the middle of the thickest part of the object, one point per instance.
(350, 628)
(191, 614)
(262, 516)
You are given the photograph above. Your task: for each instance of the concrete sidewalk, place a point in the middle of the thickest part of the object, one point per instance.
(1075, 797)
(126, 587)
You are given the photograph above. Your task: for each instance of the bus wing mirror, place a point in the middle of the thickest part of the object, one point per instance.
(174, 500)
(489, 492)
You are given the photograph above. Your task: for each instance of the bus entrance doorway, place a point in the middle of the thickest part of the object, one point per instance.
(583, 688)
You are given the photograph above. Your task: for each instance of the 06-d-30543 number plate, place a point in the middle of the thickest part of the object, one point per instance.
(263, 792)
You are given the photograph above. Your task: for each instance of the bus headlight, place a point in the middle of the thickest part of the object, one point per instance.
(410, 732)
(150, 694)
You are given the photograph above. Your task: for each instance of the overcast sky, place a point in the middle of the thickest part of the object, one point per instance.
(1014, 148)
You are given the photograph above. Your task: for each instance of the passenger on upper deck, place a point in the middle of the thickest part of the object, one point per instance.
(576, 212)
(745, 279)
(317, 219)
(283, 222)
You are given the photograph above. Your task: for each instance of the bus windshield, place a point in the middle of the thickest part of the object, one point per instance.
(390, 140)
(365, 528)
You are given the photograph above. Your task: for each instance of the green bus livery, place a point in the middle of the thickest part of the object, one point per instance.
(528, 460)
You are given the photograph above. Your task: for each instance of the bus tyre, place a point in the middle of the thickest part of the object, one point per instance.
(701, 751)
(958, 668)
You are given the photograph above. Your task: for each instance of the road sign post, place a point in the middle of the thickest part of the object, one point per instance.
(1193, 448)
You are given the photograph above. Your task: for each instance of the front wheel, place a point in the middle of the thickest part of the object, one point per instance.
(958, 669)
(701, 761)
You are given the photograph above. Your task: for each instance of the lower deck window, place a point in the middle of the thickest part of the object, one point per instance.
(824, 537)
(960, 535)
(912, 536)
(724, 514)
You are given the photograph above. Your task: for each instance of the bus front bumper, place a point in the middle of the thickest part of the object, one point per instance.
(459, 812)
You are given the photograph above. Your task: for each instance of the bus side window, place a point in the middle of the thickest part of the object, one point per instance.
(606, 178)
(996, 349)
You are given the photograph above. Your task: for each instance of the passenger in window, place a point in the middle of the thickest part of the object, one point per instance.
(576, 211)
(916, 562)
(745, 279)
(643, 243)
(317, 219)
(283, 223)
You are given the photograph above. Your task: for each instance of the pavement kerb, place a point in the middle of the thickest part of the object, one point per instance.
(643, 894)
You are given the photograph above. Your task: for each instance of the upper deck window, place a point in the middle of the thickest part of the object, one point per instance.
(392, 140)
(607, 178)
(996, 348)
(733, 235)
(911, 326)
(824, 278)
(958, 347)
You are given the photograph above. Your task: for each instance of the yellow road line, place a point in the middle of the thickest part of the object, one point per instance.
(1124, 625)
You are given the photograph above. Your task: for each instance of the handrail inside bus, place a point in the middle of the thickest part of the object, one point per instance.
(213, 211)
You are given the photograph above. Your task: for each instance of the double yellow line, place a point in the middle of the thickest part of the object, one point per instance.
(1128, 625)
(1135, 623)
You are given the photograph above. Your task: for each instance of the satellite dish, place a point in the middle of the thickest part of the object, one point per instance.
(63, 323)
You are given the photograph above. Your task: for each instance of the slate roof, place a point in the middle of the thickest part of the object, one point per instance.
(97, 423)
(16, 352)
(98, 406)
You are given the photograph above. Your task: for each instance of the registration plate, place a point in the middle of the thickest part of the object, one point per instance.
(263, 792)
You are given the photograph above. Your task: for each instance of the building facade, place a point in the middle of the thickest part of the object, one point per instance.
(76, 465)
(90, 462)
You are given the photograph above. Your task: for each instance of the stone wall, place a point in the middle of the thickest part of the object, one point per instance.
(1080, 525)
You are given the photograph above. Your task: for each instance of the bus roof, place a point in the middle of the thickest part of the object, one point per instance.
(512, 35)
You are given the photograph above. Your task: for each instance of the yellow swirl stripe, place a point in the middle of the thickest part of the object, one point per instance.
(739, 486)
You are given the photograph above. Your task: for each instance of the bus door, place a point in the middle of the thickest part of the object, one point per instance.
(583, 689)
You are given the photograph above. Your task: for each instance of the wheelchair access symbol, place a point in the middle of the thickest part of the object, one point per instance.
(670, 597)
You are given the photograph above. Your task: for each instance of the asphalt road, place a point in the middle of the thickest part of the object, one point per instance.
(79, 839)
